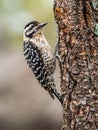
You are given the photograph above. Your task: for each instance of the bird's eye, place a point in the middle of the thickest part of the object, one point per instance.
(32, 26)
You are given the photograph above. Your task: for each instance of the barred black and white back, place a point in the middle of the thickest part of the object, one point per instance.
(39, 57)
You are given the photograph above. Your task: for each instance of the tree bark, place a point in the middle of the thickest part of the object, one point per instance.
(77, 22)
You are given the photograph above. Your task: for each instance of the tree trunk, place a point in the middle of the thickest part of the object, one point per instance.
(78, 50)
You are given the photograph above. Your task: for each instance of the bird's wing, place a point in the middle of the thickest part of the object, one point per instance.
(36, 63)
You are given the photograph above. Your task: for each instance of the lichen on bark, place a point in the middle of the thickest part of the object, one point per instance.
(78, 49)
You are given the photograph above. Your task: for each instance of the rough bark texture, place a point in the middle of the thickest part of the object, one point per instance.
(78, 49)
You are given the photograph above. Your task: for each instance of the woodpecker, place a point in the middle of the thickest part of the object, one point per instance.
(39, 56)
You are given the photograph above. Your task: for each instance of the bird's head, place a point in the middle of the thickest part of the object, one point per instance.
(33, 28)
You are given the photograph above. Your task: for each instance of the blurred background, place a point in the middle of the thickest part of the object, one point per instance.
(24, 104)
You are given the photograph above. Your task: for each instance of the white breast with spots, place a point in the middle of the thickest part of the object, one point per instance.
(46, 51)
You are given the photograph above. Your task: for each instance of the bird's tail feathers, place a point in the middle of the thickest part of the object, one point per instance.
(58, 95)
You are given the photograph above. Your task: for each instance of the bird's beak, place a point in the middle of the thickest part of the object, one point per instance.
(42, 25)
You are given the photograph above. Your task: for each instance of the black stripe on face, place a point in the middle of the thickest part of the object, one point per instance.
(30, 28)
(29, 34)
(33, 23)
